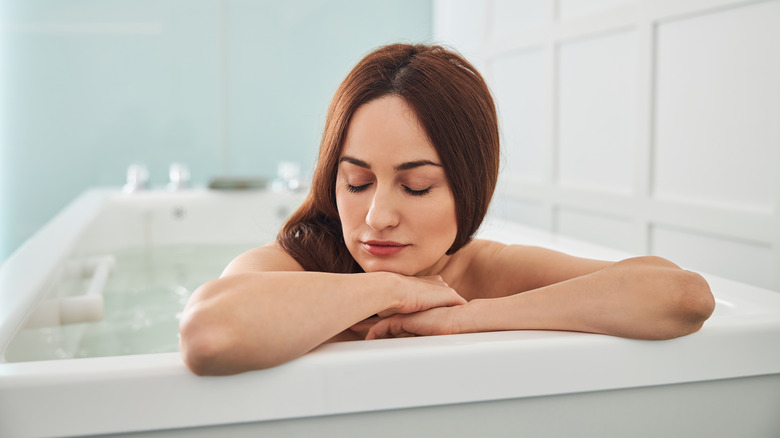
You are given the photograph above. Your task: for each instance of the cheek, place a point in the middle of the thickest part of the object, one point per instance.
(440, 221)
(348, 209)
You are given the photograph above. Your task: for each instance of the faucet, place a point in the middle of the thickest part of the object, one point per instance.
(179, 176)
(137, 178)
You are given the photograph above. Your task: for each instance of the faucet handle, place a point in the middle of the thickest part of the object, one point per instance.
(179, 177)
(137, 178)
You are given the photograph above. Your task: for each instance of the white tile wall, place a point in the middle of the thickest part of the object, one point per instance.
(613, 231)
(524, 211)
(649, 126)
(518, 83)
(511, 16)
(718, 108)
(596, 112)
(462, 24)
(750, 262)
(572, 9)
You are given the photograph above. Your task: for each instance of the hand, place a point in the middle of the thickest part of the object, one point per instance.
(361, 329)
(436, 321)
(422, 293)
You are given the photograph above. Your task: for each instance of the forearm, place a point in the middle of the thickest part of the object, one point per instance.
(644, 298)
(259, 320)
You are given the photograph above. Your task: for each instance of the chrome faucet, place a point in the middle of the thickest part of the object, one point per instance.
(137, 178)
(179, 177)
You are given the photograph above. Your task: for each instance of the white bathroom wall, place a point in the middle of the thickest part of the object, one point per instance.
(652, 126)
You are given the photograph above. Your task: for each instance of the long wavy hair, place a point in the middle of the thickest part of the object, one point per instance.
(454, 107)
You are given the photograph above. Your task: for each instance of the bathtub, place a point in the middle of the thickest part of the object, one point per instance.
(721, 381)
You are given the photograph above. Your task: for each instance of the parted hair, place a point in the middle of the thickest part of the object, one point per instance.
(453, 105)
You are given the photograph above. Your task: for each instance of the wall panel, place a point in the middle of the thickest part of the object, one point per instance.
(510, 16)
(596, 109)
(718, 107)
(613, 231)
(520, 210)
(518, 82)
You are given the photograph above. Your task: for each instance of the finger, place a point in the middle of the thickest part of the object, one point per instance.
(394, 327)
(378, 331)
(459, 300)
(386, 328)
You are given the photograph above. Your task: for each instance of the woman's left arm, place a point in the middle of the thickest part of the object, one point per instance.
(641, 298)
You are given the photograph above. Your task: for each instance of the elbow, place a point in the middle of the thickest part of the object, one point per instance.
(213, 341)
(213, 349)
(699, 301)
(693, 304)
(206, 344)
(200, 344)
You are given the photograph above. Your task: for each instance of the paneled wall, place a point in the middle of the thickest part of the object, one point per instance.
(650, 126)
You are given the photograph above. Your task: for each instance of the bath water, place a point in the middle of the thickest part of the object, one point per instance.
(142, 304)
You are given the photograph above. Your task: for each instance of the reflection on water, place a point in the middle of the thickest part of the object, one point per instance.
(142, 304)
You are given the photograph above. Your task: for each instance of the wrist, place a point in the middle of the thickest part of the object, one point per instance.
(471, 316)
(386, 291)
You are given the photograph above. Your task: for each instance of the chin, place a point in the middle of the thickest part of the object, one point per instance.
(394, 270)
(387, 267)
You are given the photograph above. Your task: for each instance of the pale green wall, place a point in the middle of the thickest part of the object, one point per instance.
(90, 86)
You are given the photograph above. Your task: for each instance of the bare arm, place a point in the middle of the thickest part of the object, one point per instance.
(265, 310)
(644, 298)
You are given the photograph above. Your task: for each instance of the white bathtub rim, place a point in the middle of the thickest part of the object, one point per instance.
(13, 373)
(596, 363)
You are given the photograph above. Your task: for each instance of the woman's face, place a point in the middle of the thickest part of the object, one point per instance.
(396, 207)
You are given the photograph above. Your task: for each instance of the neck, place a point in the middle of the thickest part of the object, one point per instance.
(436, 268)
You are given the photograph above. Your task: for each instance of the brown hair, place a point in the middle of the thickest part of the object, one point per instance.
(455, 108)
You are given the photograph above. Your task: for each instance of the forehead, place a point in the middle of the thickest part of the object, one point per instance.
(388, 129)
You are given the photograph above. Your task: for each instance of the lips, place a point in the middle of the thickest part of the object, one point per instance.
(383, 248)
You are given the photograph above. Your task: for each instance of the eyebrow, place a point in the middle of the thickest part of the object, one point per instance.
(403, 166)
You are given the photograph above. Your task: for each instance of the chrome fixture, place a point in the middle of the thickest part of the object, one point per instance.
(137, 178)
(178, 176)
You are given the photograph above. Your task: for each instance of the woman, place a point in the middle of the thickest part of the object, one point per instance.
(383, 247)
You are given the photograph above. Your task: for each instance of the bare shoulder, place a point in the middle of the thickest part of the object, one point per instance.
(509, 269)
(270, 257)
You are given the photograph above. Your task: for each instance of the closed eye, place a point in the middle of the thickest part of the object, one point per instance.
(417, 192)
(356, 189)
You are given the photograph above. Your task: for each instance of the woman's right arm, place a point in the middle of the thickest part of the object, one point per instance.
(265, 310)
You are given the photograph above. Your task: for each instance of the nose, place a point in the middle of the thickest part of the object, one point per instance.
(383, 212)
